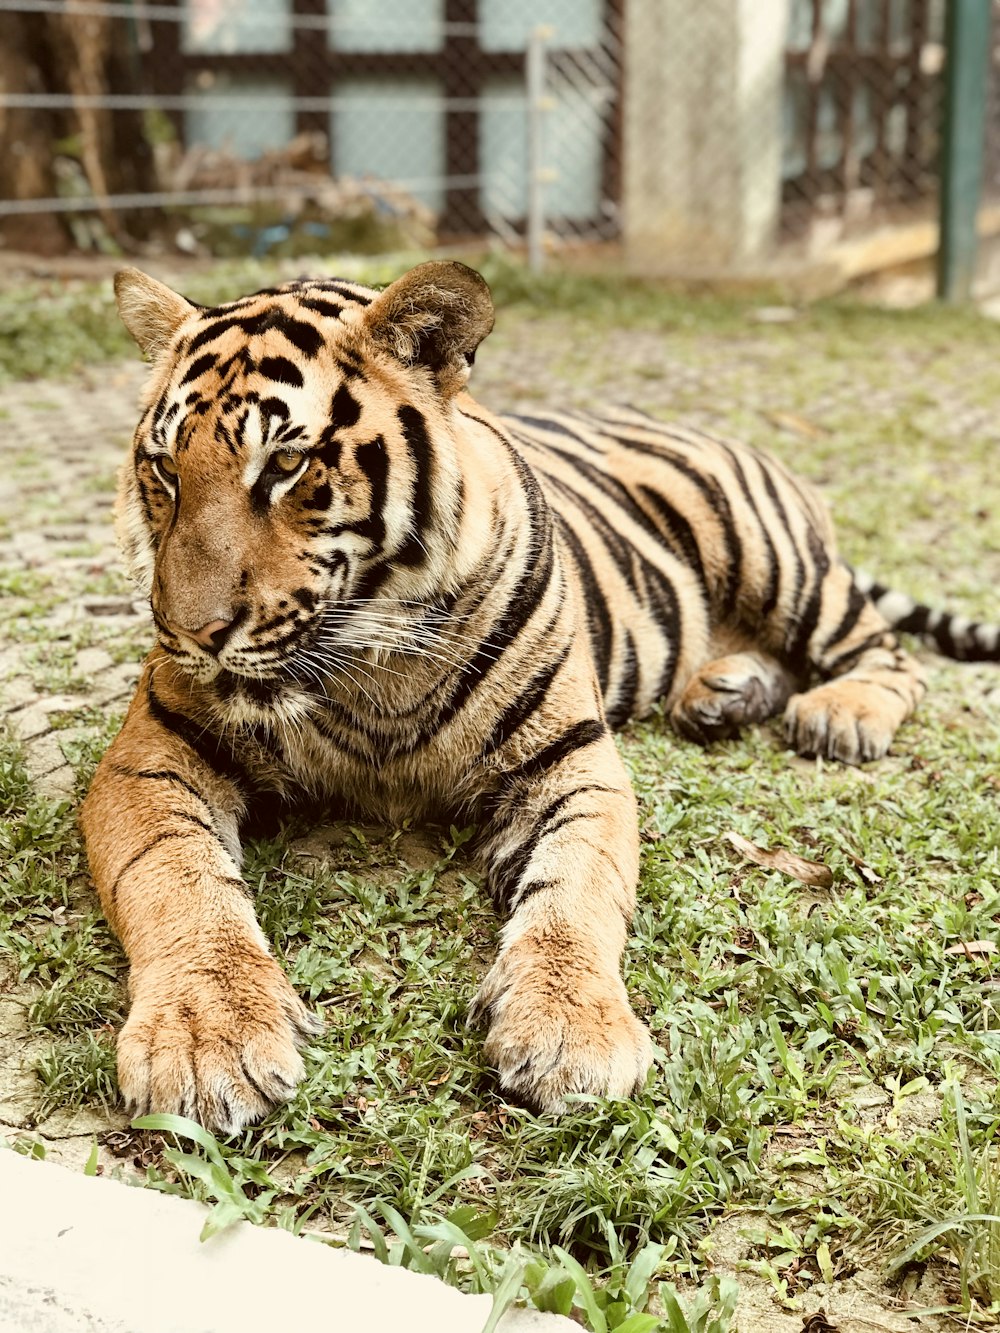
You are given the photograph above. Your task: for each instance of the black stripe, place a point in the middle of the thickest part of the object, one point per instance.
(782, 513)
(209, 749)
(134, 860)
(836, 666)
(856, 603)
(506, 873)
(281, 370)
(319, 307)
(576, 737)
(414, 429)
(359, 298)
(599, 623)
(627, 502)
(570, 819)
(803, 621)
(916, 621)
(202, 824)
(556, 428)
(622, 552)
(221, 434)
(628, 686)
(160, 775)
(373, 460)
(197, 368)
(265, 1097)
(520, 608)
(676, 529)
(345, 409)
(372, 579)
(528, 890)
(769, 597)
(305, 337)
(520, 709)
(521, 604)
(664, 605)
(717, 500)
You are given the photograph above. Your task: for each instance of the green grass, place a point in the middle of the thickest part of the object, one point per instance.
(800, 1125)
(52, 328)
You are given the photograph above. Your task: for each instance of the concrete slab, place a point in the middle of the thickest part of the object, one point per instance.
(81, 1254)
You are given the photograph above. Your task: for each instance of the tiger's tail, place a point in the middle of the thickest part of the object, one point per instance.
(953, 636)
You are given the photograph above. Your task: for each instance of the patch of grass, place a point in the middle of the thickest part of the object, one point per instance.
(39, 850)
(970, 1228)
(78, 1071)
(76, 1004)
(60, 951)
(51, 329)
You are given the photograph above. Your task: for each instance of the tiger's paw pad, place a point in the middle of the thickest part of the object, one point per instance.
(840, 720)
(223, 1052)
(727, 695)
(547, 1042)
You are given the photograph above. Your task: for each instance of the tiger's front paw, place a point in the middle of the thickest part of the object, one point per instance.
(215, 1039)
(554, 1032)
(852, 721)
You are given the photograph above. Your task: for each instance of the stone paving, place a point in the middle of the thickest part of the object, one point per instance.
(71, 630)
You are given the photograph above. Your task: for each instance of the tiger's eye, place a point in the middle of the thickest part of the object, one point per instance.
(285, 461)
(166, 465)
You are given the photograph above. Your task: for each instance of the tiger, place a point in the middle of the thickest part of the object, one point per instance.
(369, 590)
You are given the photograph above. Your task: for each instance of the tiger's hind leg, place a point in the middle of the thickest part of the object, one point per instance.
(874, 684)
(728, 693)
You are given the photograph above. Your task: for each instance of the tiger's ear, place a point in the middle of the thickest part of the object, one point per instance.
(150, 311)
(435, 316)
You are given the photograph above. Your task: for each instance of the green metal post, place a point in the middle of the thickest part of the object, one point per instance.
(967, 54)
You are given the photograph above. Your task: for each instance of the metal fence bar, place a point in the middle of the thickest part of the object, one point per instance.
(224, 102)
(535, 79)
(237, 195)
(968, 43)
(183, 13)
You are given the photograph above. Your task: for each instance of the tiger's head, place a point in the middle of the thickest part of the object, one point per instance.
(296, 459)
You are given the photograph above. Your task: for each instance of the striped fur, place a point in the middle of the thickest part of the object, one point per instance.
(367, 587)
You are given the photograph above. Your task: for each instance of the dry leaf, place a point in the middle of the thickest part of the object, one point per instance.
(796, 424)
(972, 947)
(817, 1323)
(813, 873)
(870, 876)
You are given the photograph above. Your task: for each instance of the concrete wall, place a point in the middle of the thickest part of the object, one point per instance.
(702, 132)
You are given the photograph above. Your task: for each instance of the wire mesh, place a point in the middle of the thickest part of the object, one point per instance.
(693, 136)
(862, 109)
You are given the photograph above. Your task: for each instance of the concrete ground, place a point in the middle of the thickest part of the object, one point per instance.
(84, 1255)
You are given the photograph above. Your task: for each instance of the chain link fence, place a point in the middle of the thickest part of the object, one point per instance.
(711, 136)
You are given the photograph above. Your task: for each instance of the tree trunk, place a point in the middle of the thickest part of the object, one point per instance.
(26, 158)
(87, 57)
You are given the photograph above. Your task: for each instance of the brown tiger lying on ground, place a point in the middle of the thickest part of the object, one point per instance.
(367, 587)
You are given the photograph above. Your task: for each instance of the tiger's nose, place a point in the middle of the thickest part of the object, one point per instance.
(213, 635)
